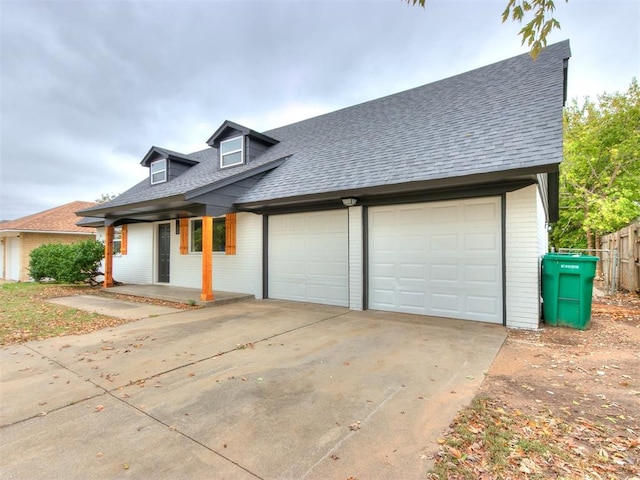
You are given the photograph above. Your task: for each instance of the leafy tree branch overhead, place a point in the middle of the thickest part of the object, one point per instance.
(538, 15)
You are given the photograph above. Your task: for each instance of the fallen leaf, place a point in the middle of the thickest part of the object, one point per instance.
(455, 452)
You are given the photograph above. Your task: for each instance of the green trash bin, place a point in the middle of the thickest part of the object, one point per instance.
(567, 287)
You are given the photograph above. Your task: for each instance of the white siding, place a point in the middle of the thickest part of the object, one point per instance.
(137, 265)
(355, 258)
(186, 270)
(241, 273)
(523, 249)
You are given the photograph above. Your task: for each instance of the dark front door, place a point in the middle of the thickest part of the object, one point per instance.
(164, 251)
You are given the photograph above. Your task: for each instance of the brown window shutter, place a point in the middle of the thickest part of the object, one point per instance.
(123, 239)
(230, 246)
(184, 236)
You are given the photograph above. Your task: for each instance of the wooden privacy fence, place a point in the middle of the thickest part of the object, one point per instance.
(622, 267)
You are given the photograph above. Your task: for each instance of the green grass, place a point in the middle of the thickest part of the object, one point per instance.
(26, 315)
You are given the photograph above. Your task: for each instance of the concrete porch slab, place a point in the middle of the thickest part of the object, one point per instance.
(170, 293)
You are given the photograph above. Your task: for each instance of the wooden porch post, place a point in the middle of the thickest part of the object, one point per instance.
(108, 257)
(207, 259)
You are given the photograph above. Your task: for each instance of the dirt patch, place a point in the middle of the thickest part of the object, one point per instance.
(556, 403)
(592, 374)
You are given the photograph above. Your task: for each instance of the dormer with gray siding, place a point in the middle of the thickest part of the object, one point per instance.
(165, 165)
(238, 145)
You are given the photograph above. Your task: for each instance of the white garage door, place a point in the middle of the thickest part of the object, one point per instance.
(13, 258)
(441, 258)
(308, 257)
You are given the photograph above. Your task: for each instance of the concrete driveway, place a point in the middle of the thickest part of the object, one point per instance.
(263, 389)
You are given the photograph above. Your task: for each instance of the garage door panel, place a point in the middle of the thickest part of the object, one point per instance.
(444, 214)
(444, 243)
(445, 273)
(308, 257)
(482, 305)
(411, 243)
(413, 299)
(412, 271)
(480, 212)
(383, 271)
(480, 242)
(445, 303)
(385, 298)
(482, 274)
(449, 263)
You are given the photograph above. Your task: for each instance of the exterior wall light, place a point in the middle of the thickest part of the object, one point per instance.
(349, 202)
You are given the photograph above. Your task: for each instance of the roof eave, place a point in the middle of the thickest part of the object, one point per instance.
(106, 211)
(515, 177)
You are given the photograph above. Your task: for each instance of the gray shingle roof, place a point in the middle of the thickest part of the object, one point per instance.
(202, 174)
(501, 117)
(504, 116)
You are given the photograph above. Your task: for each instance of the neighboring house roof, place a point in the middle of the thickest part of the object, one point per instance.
(60, 219)
(498, 121)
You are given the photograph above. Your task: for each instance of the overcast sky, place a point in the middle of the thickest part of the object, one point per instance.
(87, 87)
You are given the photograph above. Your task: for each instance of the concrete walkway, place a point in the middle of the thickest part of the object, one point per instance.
(261, 389)
(113, 307)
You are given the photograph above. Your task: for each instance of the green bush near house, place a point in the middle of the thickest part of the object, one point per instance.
(60, 263)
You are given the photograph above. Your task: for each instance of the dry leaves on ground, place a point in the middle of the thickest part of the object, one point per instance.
(557, 403)
(491, 440)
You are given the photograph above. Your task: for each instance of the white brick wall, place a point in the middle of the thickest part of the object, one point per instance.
(241, 273)
(355, 258)
(137, 265)
(523, 249)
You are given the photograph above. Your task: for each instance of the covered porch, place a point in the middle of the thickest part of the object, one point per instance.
(168, 293)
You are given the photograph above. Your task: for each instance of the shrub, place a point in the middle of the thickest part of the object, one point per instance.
(73, 263)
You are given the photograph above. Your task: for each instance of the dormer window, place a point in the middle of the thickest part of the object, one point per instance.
(231, 152)
(158, 171)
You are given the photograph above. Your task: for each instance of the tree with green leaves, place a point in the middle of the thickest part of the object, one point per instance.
(538, 18)
(105, 197)
(600, 174)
